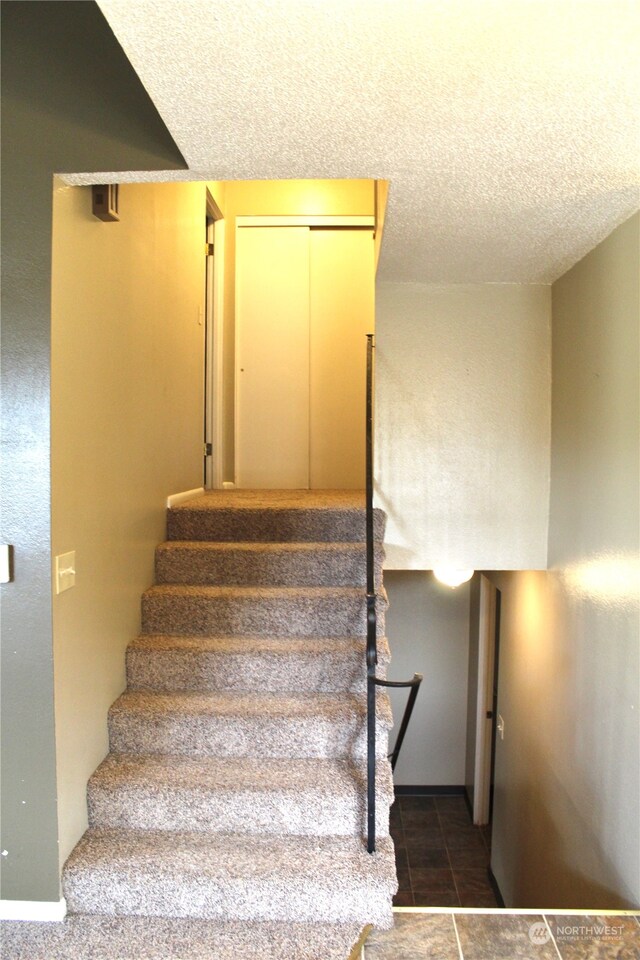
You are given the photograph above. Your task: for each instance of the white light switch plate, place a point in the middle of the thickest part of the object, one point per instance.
(5, 563)
(65, 571)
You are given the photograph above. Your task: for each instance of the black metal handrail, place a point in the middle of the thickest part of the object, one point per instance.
(372, 620)
(372, 629)
(414, 686)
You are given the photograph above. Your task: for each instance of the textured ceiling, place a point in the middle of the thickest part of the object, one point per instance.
(509, 129)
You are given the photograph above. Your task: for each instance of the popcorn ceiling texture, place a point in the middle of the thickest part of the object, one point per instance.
(224, 799)
(509, 130)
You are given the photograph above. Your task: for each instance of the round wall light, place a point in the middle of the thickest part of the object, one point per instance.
(451, 575)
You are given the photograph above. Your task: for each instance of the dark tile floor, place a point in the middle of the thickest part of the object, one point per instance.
(442, 859)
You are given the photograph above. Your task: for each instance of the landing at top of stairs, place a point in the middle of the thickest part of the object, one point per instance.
(277, 500)
(274, 516)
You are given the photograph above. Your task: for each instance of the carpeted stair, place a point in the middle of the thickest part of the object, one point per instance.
(233, 799)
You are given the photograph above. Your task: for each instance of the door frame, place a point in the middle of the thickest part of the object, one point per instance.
(485, 710)
(214, 347)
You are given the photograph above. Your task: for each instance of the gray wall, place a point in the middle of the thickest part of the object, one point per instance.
(70, 102)
(428, 631)
(567, 798)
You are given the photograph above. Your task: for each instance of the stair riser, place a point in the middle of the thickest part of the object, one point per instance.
(240, 811)
(167, 671)
(187, 563)
(256, 616)
(272, 526)
(224, 736)
(114, 892)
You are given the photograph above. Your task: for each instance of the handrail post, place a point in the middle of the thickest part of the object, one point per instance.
(372, 652)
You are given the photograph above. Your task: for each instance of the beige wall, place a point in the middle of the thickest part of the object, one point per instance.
(567, 798)
(127, 409)
(462, 423)
(258, 198)
(428, 629)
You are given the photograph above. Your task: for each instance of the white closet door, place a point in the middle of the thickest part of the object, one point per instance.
(342, 313)
(272, 357)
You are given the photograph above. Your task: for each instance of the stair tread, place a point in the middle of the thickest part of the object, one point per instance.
(255, 592)
(258, 547)
(335, 706)
(328, 861)
(273, 516)
(259, 645)
(273, 500)
(156, 938)
(327, 777)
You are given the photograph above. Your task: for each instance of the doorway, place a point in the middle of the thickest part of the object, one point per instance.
(482, 704)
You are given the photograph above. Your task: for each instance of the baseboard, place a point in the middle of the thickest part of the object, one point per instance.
(228, 485)
(422, 790)
(177, 498)
(495, 888)
(44, 911)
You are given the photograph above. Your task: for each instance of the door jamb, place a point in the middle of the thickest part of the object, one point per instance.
(214, 392)
(484, 706)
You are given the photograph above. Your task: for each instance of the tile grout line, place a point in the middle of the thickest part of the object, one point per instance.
(446, 846)
(404, 844)
(553, 939)
(455, 930)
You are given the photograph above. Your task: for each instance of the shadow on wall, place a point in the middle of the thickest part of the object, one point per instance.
(540, 856)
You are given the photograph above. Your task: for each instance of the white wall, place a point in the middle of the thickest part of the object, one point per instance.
(567, 800)
(428, 630)
(462, 423)
(127, 414)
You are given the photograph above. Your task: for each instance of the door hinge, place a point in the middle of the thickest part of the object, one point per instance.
(208, 449)
(208, 249)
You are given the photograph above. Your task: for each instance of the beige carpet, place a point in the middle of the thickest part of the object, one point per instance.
(228, 819)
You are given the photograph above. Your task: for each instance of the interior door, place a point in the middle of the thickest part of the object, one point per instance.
(481, 706)
(272, 357)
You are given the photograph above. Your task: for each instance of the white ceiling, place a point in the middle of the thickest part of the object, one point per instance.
(509, 129)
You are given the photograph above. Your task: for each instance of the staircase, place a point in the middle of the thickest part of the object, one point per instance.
(234, 792)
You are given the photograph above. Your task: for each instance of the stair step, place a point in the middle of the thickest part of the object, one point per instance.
(274, 516)
(298, 797)
(231, 876)
(257, 564)
(157, 938)
(257, 611)
(264, 664)
(246, 725)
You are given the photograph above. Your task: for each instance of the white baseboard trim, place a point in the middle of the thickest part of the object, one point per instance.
(53, 911)
(177, 498)
(228, 485)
